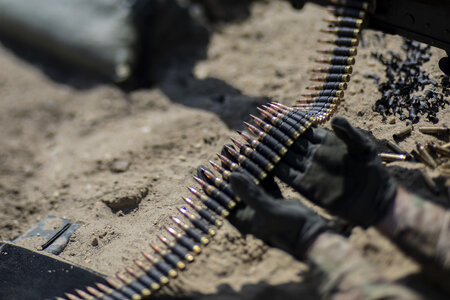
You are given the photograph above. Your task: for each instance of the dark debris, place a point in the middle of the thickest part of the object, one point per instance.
(409, 92)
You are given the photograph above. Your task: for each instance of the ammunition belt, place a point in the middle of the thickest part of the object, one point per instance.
(271, 136)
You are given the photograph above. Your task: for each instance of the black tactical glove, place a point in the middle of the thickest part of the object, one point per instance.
(340, 172)
(282, 223)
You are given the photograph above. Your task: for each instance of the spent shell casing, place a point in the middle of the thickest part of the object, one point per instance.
(210, 203)
(84, 295)
(273, 131)
(341, 41)
(190, 231)
(363, 5)
(347, 12)
(439, 149)
(321, 99)
(328, 86)
(144, 279)
(170, 257)
(261, 148)
(204, 213)
(388, 157)
(185, 240)
(218, 182)
(161, 265)
(216, 194)
(152, 272)
(435, 130)
(426, 155)
(111, 292)
(177, 249)
(124, 289)
(337, 60)
(325, 93)
(345, 22)
(135, 285)
(332, 78)
(394, 146)
(342, 31)
(403, 132)
(341, 51)
(225, 173)
(268, 140)
(334, 69)
(226, 162)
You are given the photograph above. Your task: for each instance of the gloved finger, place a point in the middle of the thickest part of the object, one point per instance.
(314, 134)
(288, 175)
(296, 161)
(356, 142)
(242, 218)
(251, 194)
(271, 187)
(301, 146)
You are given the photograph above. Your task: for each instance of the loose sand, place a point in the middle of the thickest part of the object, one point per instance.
(71, 144)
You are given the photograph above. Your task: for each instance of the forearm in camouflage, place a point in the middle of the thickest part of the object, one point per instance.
(344, 274)
(419, 227)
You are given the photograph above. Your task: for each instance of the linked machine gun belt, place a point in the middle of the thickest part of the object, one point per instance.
(261, 148)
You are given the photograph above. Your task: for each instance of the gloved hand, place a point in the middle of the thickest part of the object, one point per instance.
(339, 171)
(282, 223)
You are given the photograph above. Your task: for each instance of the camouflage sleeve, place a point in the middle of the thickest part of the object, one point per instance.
(422, 230)
(344, 274)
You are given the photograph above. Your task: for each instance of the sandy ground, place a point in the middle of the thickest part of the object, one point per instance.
(63, 141)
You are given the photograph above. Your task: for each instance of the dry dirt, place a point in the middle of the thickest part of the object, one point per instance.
(71, 146)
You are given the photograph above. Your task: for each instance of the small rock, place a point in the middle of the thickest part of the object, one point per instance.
(119, 166)
(392, 121)
(94, 242)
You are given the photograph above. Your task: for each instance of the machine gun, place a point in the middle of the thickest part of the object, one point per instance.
(426, 21)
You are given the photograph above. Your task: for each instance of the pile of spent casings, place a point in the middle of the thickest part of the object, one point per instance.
(409, 91)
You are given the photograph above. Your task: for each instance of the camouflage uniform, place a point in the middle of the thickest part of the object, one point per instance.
(422, 230)
(344, 274)
(419, 227)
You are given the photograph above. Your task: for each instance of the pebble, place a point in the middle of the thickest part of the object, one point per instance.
(119, 166)
(94, 242)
